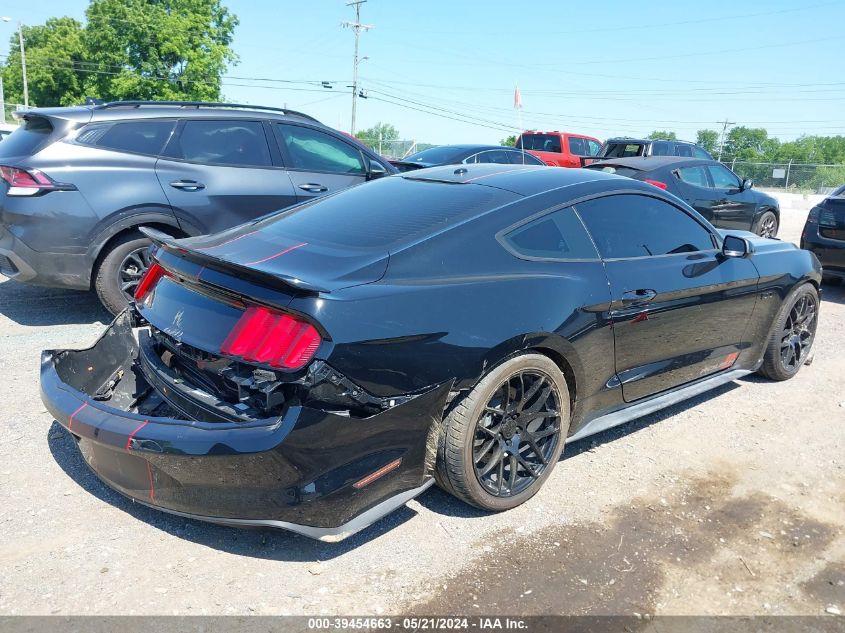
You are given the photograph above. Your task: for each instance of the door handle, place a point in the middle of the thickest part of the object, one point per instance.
(638, 297)
(187, 185)
(313, 187)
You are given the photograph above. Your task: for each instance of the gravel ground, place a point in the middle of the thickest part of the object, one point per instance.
(733, 503)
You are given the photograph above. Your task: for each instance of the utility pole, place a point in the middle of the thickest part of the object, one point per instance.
(725, 125)
(357, 27)
(23, 61)
(2, 101)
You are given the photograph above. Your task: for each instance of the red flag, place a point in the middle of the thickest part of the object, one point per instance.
(517, 99)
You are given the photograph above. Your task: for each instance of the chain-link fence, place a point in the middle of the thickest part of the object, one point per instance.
(789, 176)
(396, 150)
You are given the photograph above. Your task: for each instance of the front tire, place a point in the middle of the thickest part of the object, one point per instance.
(121, 269)
(793, 334)
(500, 443)
(767, 225)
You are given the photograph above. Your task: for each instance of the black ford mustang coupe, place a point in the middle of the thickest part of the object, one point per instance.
(319, 367)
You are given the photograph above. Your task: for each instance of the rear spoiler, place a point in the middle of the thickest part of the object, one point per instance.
(404, 166)
(171, 244)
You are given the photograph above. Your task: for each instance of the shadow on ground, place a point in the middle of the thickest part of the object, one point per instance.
(35, 306)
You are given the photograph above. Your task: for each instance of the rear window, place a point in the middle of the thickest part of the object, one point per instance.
(139, 137)
(540, 142)
(28, 139)
(384, 213)
(623, 150)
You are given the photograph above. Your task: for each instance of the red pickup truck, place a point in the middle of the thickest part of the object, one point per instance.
(559, 149)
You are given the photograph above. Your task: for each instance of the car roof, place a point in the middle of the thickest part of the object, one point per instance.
(629, 139)
(648, 163)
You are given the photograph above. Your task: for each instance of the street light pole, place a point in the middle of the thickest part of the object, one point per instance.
(23, 61)
(357, 27)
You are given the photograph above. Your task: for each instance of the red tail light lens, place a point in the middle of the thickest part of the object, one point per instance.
(272, 338)
(657, 183)
(25, 183)
(148, 281)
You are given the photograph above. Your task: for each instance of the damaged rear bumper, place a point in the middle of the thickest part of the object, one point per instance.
(301, 471)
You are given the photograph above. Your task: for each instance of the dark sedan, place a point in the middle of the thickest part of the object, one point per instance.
(824, 233)
(316, 369)
(466, 154)
(708, 186)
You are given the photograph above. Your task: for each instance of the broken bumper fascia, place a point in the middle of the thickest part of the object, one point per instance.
(295, 472)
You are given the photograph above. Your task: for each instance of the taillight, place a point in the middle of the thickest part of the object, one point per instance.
(148, 281)
(272, 338)
(814, 214)
(657, 183)
(27, 183)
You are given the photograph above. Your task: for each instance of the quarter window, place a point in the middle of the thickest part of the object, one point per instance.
(140, 137)
(630, 225)
(577, 146)
(523, 158)
(682, 149)
(694, 176)
(700, 153)
(237, 143)
(723, 178)
(558, 235)
(312, 150)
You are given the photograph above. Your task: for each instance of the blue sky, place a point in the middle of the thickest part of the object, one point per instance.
(600, 68)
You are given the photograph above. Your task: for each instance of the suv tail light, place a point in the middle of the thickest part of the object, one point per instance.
(29, 183)
(657, 183)
(148, 281)
(271, 338)
(814, 214)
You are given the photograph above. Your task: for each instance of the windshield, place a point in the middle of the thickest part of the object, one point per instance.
(540, 142)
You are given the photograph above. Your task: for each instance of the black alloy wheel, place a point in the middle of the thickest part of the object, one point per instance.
(798, 333)
(131, 269)
(768, 226)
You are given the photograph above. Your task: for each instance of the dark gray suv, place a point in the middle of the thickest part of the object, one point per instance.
(80, 181)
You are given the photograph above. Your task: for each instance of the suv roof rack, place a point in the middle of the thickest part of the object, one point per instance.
(200, 104)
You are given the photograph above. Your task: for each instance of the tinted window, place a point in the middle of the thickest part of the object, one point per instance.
(493, 156)
(540, 142)
(693, 176)
(524, 158)
(623, 150)
(593, 148)
(577, 146)
(238, 143)
(723, 178)
(558, 235)
(700, 153)
(442, 155)
(312, 150)
(27, 139)
(639, 226)
(141, 137)
(682, 149)
(661, 148)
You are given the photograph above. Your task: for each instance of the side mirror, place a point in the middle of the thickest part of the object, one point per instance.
(376, 170)
(747, 183)
(733, 246)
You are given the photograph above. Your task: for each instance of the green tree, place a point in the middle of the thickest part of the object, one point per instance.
(709, 140)
(54, 55)
(750, 144)
(510, 141)
(378, 136)
(663, 134)
(158, 49)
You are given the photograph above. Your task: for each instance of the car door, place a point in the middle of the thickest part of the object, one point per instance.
(733, 207)
(695, 188)
(318, 162)
(679, 308)
(219, 173)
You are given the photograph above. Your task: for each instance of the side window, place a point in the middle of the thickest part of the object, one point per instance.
(630, 225)
(524, 158)
(682, 149)
(312, 150)
(694, 176)
(141, 137)
(557, 235)
(237, 143)
(500, 157)
(577, 146)
(593, 148)
(700, 153)
(723, 178)
(661, 148)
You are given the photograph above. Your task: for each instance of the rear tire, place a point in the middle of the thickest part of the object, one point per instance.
(767, 225)
(791, 341)
(527, 436)
(121, 269)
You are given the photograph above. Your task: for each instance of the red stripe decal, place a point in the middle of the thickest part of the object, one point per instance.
(132, 434)
(150, 477)
(279, 254)
(73, 415)
(506, 171)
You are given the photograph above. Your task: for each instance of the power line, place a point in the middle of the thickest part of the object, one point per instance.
(357, 27)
